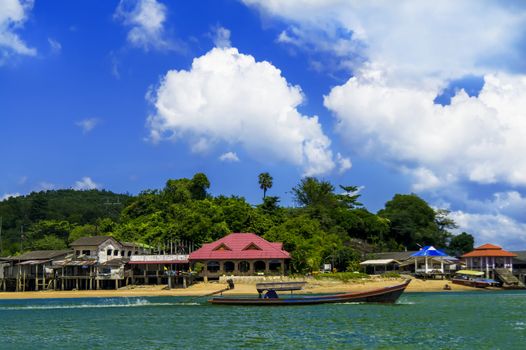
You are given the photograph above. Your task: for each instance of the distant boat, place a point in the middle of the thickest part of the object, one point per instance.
(472, 278)
(270, 297)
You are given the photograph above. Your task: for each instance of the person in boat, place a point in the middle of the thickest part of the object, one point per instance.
(271, 294)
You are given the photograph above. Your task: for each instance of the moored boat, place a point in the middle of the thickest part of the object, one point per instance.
(379, 295)
(472, 278)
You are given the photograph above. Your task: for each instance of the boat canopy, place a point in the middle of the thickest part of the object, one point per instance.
(280, 286)
(470, 273)
(379, 262)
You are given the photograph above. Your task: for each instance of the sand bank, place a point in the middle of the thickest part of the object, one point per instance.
(313, 287)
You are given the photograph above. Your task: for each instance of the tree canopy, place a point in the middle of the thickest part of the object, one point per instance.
(328, 225)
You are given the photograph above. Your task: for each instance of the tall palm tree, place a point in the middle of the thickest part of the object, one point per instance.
(265, 182)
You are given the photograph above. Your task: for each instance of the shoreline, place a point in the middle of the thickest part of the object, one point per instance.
(200, 289)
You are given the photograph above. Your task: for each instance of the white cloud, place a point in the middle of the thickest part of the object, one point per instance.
(474, 138)
(55, 46)
(408, 38)
(344, 164)
(492, 228)
(9, 195)
(87, 124)
(229, 157)
(86, 183)
(230, 98)
(146, 21)
(221, 37)
(13, 14)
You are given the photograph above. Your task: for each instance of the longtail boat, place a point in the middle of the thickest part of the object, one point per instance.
(268, 295)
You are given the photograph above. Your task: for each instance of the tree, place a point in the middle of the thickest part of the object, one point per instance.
(49, 242)
(200, 185)
(413, 222)
(461, 244)
(265, 182)
(313, 192)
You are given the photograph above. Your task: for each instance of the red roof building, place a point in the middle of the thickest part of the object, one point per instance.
(489, 257)
(241, 254)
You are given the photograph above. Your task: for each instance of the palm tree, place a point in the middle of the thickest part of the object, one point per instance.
(265, 182)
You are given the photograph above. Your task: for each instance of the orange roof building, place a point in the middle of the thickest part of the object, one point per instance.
(489, 257)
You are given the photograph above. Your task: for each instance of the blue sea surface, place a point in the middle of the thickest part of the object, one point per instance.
(478, 320)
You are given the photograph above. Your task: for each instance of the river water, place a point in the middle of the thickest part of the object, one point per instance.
(478, 320)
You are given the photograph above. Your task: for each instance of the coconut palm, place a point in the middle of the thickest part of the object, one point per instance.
(265, 182)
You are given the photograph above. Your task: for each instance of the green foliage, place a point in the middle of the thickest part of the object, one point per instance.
(461, 244)
(39, 214)
(413, 222)
(82, 231)
(49, 242)
(198, 267)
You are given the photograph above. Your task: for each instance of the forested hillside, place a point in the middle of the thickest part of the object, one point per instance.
(327, 224)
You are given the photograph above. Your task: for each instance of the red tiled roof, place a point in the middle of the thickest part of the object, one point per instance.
(240, 246)
(488, 250)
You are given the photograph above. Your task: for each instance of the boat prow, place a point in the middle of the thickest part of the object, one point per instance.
(379, 295)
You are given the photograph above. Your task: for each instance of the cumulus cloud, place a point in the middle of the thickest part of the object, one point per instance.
(221, 37)
(86, 183)
(473, 138)
(229, 157)
(145, 18)
(228, 97)
(9, 195)
(492, 228)
(408, 38)
(87, 124)
(13, 14)
(344, 163)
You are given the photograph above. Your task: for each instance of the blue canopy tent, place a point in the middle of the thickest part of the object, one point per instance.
(429, 252)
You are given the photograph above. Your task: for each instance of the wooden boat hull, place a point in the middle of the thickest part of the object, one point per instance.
(380, 295)
(471, 283)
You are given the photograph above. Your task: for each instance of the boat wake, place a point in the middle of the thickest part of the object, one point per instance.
(108, 303)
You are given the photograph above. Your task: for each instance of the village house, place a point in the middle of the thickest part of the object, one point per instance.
(30, 271)
(495, 262)
(240, 254)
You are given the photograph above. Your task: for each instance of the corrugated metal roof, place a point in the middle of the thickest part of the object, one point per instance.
(379, 262)
(240, 246)
(399, 256)
(41, 255)
(94, 240)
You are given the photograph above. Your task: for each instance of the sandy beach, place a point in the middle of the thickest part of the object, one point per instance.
(313, 287)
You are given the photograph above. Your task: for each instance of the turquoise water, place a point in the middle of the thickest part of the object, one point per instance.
(479, 320)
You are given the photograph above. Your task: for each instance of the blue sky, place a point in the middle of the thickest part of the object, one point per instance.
(394, 97)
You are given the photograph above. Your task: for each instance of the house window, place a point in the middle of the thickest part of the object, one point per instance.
(228, 266)
(86, 252)
(77, 252)
(260, 266)
(116, 252)
(129, 253)
(274, 265)
(109, 251)
(244, 266)
(122, 252)
(212, 266)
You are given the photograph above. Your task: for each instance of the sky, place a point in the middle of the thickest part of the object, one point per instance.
(392, 96)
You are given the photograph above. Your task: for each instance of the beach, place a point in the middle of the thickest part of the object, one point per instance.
(313, 287)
